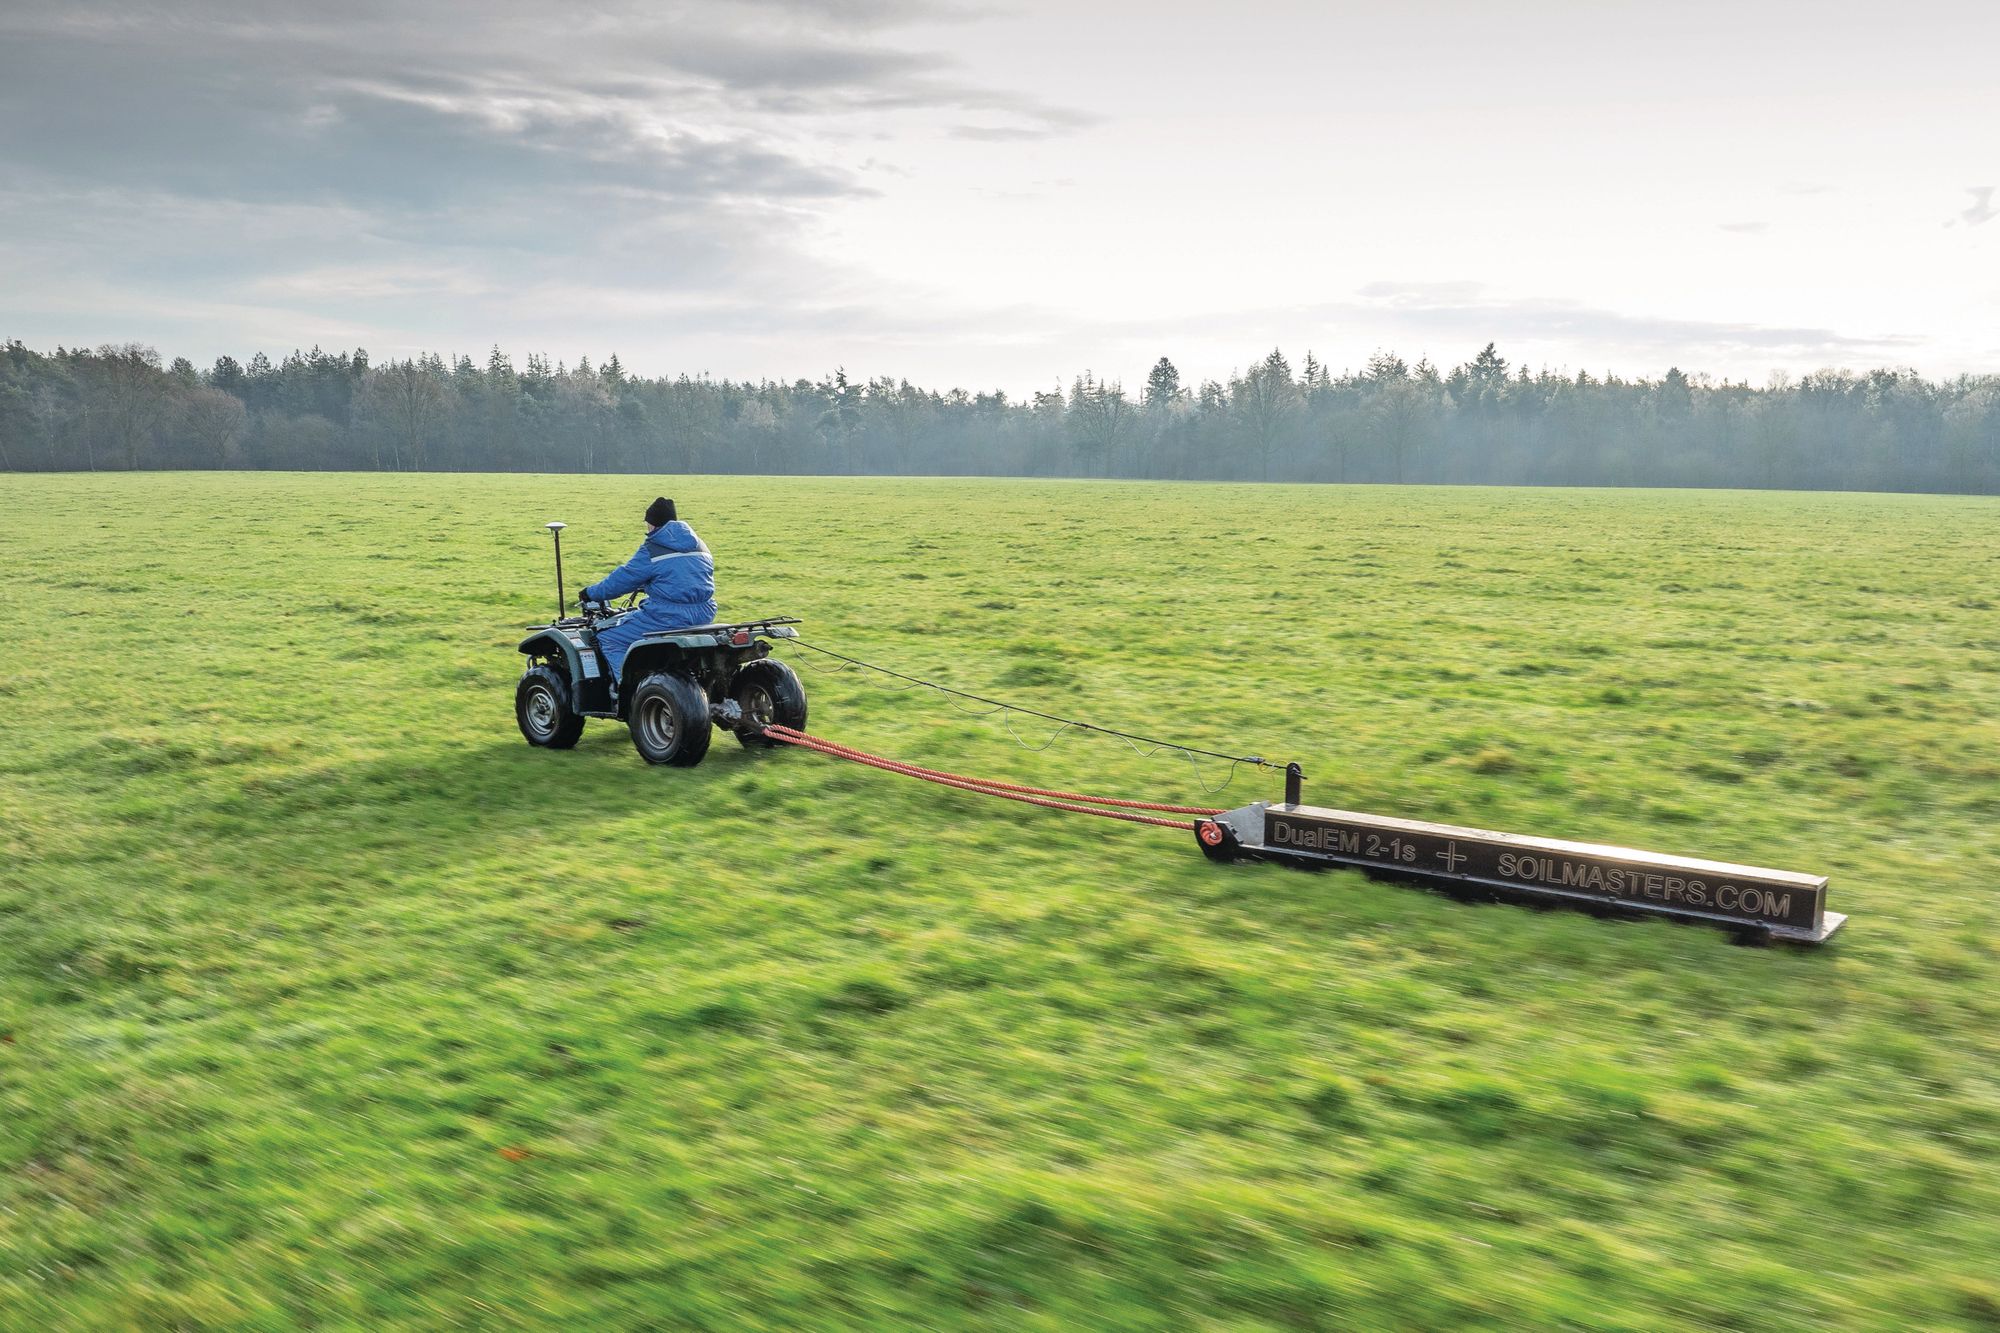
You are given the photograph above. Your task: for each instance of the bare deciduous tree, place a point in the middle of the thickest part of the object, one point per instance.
(1972, 427)
(409, 399)
(1406, 410)
(214, 421)
(758, 425)
(131, 393)
(1100, 416)
(1265, 400)
(591, 410)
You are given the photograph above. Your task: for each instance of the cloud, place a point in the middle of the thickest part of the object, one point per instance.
(1445, 320)
(194, 123)
(1745, 228)
(410, 167)
(1469, 315)
(1004, 133)
(1448, 321)
(1982, 211)
(1421, 293)
(720, 66)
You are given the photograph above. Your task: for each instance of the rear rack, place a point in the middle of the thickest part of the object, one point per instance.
(777, 627)
(726, 636)
(771, 623)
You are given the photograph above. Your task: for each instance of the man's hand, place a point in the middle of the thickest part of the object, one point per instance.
(584, 598)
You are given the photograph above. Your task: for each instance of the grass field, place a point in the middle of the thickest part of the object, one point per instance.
(324, 999)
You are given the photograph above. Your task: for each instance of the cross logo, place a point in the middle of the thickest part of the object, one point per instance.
(1451, 857)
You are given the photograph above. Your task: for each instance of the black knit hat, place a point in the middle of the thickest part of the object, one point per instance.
(660, 512)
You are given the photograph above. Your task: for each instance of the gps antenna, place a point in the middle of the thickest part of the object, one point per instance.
(555, 530)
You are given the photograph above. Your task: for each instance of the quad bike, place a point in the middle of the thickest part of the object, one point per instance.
(675, 688)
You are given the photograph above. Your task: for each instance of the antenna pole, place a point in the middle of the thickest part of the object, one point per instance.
(556, 531)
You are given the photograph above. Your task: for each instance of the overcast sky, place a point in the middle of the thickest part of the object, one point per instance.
(1007, 194)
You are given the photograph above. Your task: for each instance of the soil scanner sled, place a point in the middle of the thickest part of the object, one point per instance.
(675, 688)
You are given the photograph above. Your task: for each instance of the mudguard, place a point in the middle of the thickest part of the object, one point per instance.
(589, 683)
(710, 653)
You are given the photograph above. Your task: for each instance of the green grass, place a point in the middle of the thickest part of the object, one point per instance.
(326, 1000)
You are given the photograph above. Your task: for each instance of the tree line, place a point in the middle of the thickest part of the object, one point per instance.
(119, 407)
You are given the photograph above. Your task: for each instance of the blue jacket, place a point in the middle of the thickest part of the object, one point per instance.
(677, 573)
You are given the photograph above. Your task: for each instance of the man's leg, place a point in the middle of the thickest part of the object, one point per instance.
(616, 641)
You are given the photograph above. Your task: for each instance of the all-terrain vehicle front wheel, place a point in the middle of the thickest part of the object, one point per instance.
(669, 720)
(768, 692)
(541, 706)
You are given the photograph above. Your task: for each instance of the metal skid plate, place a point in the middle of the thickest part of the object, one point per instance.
(1780, 903)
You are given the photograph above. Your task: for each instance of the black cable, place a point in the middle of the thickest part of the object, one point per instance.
(995, 705)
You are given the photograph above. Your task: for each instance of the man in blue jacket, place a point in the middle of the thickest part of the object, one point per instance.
(677, 573)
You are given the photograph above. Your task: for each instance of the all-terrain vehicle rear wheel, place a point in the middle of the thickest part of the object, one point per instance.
(669, 720)
(768, 692)
(541, 706)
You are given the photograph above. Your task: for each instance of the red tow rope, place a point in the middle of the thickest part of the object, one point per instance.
(1075, 802)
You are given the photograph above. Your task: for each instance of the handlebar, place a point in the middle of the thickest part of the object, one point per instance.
(588, 618)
